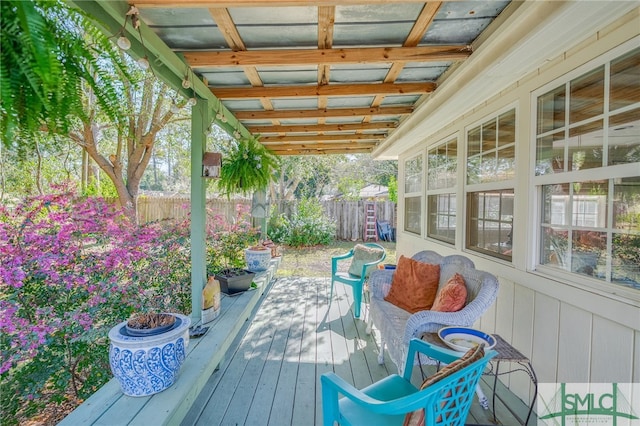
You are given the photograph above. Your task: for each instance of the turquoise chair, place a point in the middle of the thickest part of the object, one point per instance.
(386, 402)
(356, 282)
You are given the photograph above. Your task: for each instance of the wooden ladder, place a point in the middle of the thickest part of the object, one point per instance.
(370, 228)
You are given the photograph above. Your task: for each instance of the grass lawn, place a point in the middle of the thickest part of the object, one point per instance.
(316, 261)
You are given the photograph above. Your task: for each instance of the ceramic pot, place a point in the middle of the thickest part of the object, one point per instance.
(257, 260)
(145, 365)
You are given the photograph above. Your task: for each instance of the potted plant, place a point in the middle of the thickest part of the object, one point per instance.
(227, 259)
(146, 351)
(258, 257)
(246, 167)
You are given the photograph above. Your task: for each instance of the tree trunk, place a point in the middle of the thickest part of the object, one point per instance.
(136, 139)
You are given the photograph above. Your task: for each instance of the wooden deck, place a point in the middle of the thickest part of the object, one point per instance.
(270, 375)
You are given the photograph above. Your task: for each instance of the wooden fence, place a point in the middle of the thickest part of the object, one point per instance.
(151, 209)
(349, 216)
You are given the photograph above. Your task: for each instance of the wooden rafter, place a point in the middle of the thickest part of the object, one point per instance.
(317, 128)
(255, 3)
(285, 57)
(416, 34)
(311, 150)
(321, 145)
(323, 90)
(234, 40)
(325, 138)
(319, 113)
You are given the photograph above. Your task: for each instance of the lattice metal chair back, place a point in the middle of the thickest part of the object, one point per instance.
(444, 399)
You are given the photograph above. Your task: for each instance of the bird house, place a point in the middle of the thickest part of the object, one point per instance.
(211, 163)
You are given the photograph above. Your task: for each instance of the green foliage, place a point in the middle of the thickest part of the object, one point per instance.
(308, 227)
(278, 228)
(226, 241)
(45, 57)
(350, 188)
(247, 167)
(393, 189)
(105, 189)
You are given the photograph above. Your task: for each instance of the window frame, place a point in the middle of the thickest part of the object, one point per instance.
(450, 190)
(604, 172)
(505, 184)
(416, 194)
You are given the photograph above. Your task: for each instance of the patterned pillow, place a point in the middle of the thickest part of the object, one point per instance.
(363, 254)
(414, 285)
(416, 418)
(452, 296)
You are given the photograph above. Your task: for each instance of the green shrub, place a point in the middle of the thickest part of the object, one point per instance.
(278, 229)
(307, 227)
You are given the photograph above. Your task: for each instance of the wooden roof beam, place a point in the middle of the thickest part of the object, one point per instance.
(286, 57)
(321, 145)
(252, 3)
(308, 128)
(323, 152)
(321, 113)
(323, 90)
(266, 140)
(334, 151)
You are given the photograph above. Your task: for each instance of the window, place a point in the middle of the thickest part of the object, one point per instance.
(490, 222)
(491, 150)
(490, 173)
(442, 169)
(576, 141)
(591, 124)
(413, 195)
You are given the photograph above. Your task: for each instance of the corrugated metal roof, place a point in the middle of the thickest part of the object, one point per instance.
(332, 79)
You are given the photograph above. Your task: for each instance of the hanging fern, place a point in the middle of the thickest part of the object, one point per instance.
(249, 166)
(47, 50)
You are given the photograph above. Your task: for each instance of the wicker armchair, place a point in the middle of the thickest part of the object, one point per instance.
(397, 327)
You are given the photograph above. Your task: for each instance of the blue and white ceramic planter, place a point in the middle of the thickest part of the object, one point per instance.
(257, 260)
(145, 365)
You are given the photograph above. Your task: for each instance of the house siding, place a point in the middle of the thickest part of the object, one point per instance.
(571, 332)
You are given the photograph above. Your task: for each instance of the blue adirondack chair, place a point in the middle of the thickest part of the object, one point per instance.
(356, 282)
(386, 402)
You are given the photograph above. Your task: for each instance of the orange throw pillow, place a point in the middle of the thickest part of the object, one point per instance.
(452, 296)
(414, 285)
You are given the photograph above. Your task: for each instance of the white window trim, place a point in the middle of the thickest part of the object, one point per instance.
(467, 188)
(604, 288)
(460, 167)
(420, 193)
(501, 184)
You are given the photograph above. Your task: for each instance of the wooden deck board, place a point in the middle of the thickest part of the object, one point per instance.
(272, 374)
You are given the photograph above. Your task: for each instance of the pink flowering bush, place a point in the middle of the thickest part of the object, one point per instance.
(71, 268)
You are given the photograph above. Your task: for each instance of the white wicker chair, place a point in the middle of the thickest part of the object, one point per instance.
(397, 327)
